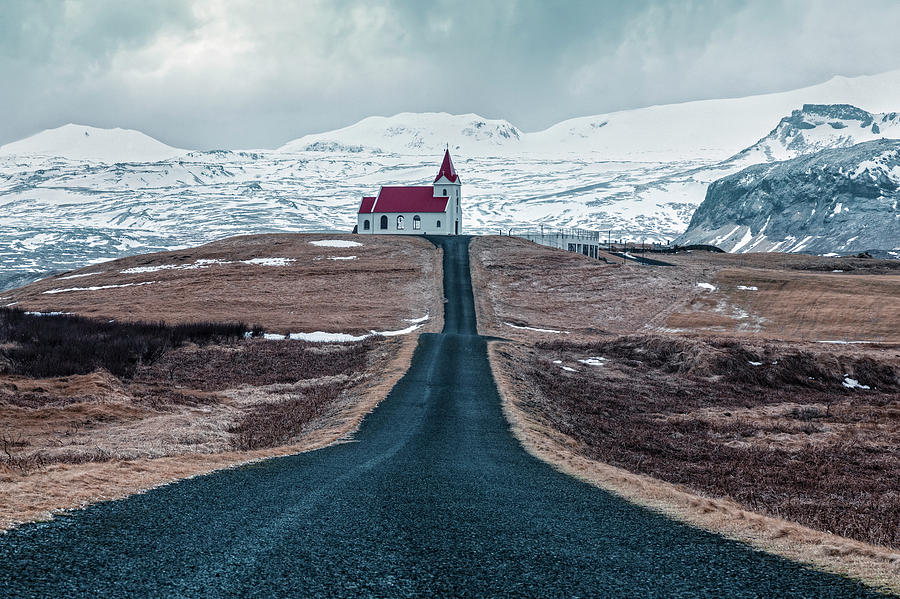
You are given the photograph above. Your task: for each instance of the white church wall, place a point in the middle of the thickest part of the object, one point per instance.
(428, 223)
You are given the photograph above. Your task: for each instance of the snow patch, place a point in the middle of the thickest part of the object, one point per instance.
(336, 243)
(201, 263)
(269, 261)
(853, 384)
(97, 288)
(568, 369)
(78, 276)
(748, 288)
(416, 320)
(593, 361)
(342, 257)
(515, 326)
(707, 286)
(324, 337)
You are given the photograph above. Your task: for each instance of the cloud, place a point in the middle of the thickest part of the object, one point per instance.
(242, 73)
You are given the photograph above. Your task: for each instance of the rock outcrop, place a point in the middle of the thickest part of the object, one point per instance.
(841, 200)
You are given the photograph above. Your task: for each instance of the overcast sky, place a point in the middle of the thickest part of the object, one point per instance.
(255, 73)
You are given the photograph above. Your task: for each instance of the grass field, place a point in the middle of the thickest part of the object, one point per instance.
(766, 382)
(118, 386)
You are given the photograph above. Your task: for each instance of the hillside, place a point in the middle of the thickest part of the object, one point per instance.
(842, 200)
(247, 278)
(80, 142)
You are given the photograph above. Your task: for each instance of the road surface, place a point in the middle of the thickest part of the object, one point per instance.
(433, 498)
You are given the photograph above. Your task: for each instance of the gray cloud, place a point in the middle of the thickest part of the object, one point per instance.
(246, 73)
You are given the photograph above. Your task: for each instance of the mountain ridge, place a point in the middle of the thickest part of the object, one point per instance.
(712, 129)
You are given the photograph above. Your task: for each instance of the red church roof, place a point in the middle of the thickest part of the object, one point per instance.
(366, 205)
(447, 169)
(405, 199)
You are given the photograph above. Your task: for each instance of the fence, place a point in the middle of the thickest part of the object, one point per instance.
(582, 241)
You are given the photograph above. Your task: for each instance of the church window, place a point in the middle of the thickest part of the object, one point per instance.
(438, 224)
(417, 222)
(384, 222)
(445, 192)
(366, 225)
(399, 222)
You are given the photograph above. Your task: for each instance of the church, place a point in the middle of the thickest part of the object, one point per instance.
(428, 210)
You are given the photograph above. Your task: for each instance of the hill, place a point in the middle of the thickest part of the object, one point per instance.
(81, 142)
(414, 133)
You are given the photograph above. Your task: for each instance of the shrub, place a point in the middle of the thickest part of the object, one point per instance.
(62, 345)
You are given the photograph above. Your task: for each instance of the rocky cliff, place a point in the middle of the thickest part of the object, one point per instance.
(841, 200)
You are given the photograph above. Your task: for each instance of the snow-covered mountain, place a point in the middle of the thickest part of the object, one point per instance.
(80, 142)
(67, 198)
(416, 134)
(818, 127)
(844, 199)
(706, 129)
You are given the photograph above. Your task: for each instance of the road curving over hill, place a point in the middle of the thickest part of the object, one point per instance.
(433, 497)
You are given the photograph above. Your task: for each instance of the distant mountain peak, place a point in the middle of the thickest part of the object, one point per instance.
(84, 142)
(816, 127)
(409, 132)
(836, 200)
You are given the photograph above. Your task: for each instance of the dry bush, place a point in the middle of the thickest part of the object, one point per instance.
(63, 345)
(255, 363)
(695, 412)
(731, 360)
(276, 423)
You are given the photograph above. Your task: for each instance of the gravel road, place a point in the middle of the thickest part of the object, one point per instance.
(433, 497)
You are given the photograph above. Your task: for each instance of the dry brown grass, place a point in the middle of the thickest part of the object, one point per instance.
(391, 279)
(874, 565)
(147, 448)
(797, 305)
(688, 431)
(85, 438)
(798, 297)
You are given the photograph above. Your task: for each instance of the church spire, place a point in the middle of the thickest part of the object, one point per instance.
(447, 169)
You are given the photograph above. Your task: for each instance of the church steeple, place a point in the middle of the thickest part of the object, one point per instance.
(447, 169)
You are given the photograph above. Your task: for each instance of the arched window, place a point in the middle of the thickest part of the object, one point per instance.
(417, 222)
(366, 225)
(383, 222)
(438, 224)
(399, 222)
(445, 192)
